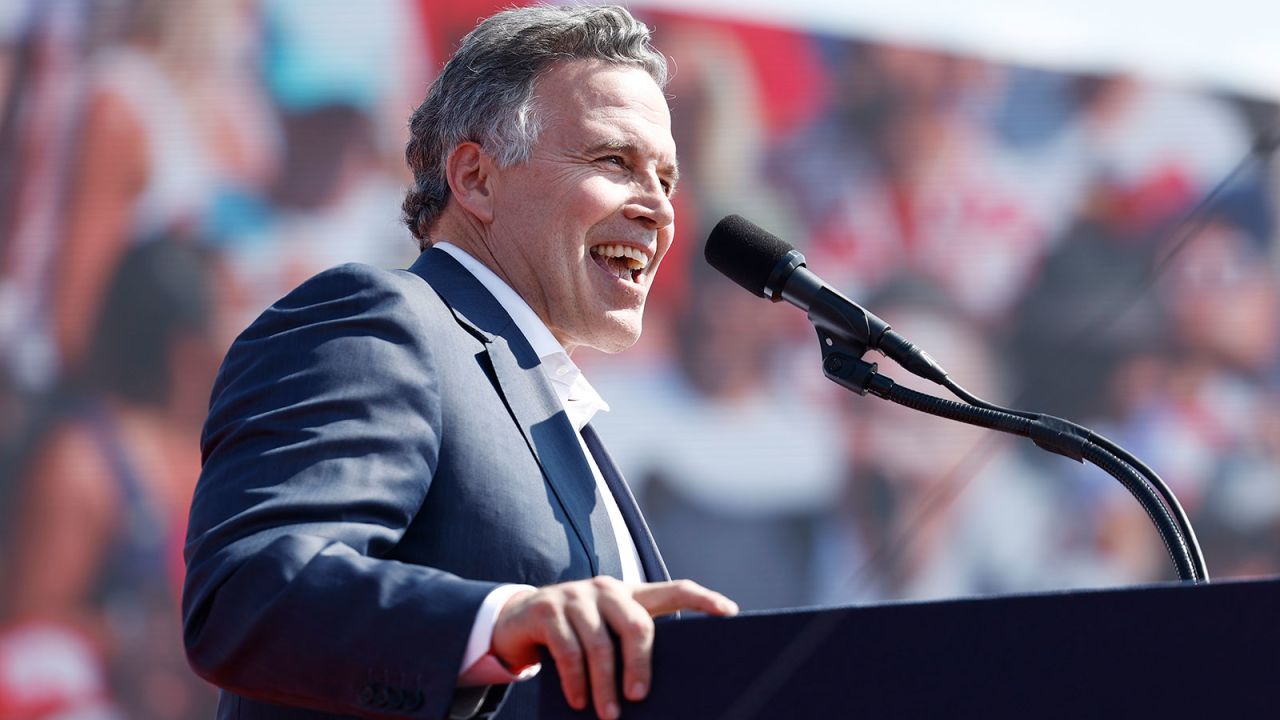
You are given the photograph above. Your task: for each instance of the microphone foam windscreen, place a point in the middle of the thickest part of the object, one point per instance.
(745, 252)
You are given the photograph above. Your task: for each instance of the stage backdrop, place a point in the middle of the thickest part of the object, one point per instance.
(1098, 246)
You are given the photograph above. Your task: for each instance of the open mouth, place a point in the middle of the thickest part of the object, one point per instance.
(623, 261)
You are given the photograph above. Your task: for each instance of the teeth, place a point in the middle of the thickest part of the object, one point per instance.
(636, 259)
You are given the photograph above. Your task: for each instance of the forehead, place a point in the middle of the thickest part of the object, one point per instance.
(585, 102)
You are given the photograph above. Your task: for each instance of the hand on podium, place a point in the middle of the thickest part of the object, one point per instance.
(572, 620)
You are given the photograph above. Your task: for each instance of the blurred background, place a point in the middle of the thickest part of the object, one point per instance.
(1067, 219)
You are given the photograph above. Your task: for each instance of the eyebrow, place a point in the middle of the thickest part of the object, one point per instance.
(670, 170)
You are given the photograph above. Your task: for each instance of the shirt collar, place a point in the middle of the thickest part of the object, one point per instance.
(579, 399)
(530, 325)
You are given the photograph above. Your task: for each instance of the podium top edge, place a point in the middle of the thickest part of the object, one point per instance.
(1108, 593)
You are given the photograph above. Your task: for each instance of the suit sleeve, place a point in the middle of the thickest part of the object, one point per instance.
(322, 440)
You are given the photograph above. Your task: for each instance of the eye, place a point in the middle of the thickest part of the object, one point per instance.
(614, 160)
(667, 187)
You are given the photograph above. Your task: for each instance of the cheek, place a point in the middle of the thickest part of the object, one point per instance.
(599, 197)
(666, 238)
(665, 241)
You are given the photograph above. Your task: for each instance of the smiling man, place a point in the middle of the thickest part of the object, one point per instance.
(402, 500)
(579, 228)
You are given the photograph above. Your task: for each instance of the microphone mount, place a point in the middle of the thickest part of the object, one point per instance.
(769, 267)
(842, 363)
(846, 332)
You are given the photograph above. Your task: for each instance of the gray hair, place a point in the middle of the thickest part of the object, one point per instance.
(485, 94)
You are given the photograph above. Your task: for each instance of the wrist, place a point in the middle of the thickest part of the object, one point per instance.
(508, 645)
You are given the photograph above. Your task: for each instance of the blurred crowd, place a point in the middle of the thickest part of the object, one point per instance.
(1100, 248)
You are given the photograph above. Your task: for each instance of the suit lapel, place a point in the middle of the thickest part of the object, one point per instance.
(553, 441)
(531, 401)
(650, 559)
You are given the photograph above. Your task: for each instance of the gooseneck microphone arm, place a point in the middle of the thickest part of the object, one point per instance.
(772, 269)
(1050, 433)
(1126, 458)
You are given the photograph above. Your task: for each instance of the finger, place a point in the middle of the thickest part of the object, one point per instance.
(584, 616)
(562, 643)
(668, 597)
(634, 628)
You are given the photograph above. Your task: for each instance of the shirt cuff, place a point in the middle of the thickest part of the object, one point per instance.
(479, 667)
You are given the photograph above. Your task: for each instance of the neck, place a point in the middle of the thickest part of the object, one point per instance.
(466, 237)
(469, 235)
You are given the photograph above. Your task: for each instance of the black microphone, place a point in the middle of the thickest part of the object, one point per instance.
(770, 267)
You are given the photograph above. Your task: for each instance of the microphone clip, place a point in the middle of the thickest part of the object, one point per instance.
(842, 362)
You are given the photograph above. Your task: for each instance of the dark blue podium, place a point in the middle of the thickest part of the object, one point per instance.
(1173, 650)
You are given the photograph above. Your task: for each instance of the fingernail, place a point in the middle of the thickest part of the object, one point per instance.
(611, 710)
(638, 691)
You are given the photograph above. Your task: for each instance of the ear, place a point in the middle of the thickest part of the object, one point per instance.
(469, 172)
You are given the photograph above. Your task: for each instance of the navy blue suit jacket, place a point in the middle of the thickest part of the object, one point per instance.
(381, 451)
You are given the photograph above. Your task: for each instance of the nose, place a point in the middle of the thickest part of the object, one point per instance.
(650, 205)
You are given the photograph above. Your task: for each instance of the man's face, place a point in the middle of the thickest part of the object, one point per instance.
(579, 229)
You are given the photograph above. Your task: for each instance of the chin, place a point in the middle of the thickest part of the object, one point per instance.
(618, 335)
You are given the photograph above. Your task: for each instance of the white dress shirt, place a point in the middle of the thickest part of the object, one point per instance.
(581, 402)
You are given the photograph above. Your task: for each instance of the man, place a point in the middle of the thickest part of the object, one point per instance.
(401, 501)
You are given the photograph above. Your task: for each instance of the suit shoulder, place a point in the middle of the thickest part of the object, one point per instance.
(352, 278)
(357, 290)
(339, 328)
